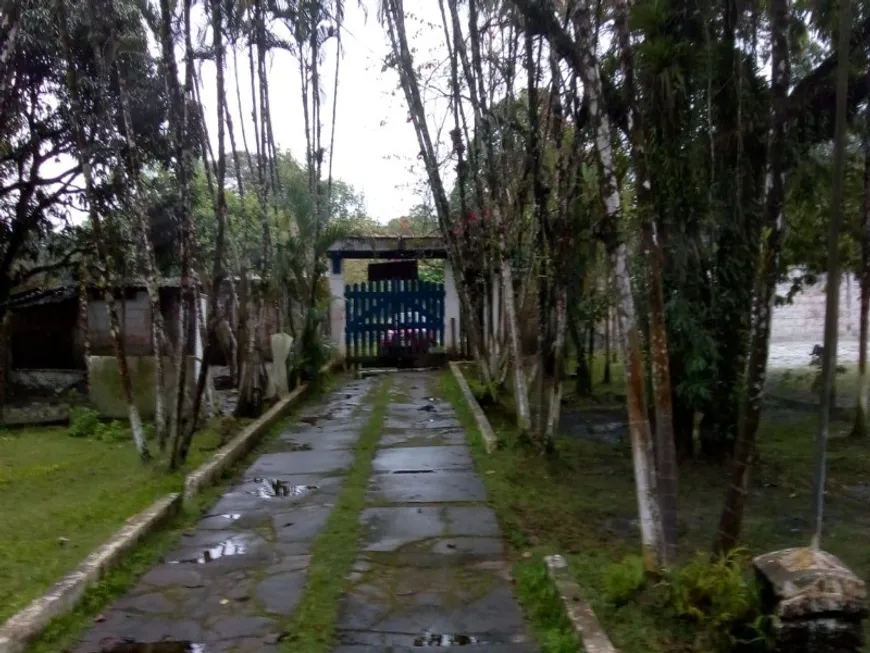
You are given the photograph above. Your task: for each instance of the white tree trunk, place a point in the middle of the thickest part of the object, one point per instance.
(652, 532)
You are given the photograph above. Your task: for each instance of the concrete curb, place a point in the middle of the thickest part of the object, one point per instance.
(236, 448)
(580, 613)
(20, 629)
(490, 442)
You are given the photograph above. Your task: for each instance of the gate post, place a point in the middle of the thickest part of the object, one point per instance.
(337, 305)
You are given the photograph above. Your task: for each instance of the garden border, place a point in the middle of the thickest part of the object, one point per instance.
(490, 442)
(579, 612)
(23, 627)
(17, 632)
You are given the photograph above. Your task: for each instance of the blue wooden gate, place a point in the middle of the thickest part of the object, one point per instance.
(398, 319)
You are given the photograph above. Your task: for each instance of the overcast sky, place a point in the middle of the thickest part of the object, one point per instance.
(375, 144)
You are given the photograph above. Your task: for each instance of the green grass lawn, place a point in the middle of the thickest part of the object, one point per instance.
(581, 502)
(61, 496)
(801, 383)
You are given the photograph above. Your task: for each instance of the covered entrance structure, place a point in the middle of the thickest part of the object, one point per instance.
(396, 318)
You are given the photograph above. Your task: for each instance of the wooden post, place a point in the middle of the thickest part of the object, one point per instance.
(454, 349)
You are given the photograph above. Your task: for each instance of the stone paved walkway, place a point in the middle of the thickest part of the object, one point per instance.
(239, 574)
(432, 570)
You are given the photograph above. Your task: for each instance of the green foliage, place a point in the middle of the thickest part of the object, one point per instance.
(715, 596)
(86, 423)
(313, 350)
(624, 579)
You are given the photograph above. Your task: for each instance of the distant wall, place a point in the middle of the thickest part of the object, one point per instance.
(804, 319)
(104, 384)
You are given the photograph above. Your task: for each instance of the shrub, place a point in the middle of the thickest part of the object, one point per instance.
(83, 422)
(623, 580)
(720, 601)
(86, 423)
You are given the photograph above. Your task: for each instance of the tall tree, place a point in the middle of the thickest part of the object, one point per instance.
(767, 275)
(84, 143)
(666, 463)
(832, 294)
(859, 428)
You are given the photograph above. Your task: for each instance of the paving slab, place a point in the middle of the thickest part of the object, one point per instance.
(432, 487)
(407, 459)
(232, 581)
(432, 570)
(301, 462)
(422, 437)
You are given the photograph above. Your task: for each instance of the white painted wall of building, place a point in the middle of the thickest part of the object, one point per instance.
(803, 320)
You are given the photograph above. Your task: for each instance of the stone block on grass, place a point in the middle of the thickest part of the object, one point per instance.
(817, 603)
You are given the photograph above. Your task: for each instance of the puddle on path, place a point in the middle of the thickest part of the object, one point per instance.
(154, 647)
(234, 547)
(271, 488)
(436, 640)
(414, 471)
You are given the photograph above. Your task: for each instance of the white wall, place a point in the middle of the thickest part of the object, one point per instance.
(804, 319)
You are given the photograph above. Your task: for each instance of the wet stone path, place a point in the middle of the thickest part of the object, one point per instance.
(432, 570)
(235, 578)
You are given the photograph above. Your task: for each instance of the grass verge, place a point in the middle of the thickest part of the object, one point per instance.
(312, 626)
(63, 631)
(581, 502)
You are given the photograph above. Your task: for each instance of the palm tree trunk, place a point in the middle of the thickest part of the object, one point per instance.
(731, 519)
(606, 379)
(146, 252)
(654, 550)
(666, 457)
(555, 393)
(220, 208)
(832, 292)
(859, 429)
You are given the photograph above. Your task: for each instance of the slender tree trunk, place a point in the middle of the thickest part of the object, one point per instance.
(590, 351)
(654, 550)
(407, 76)
(218, 271)
(181, 143)
(666, 458)
(84, 315)
(84, 153)
(149, 263)
(555, 404)
(832, 293)
(859, 430)
(731, 519)
(607, 378)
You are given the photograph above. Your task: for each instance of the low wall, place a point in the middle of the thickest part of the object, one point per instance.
(53, 381)
(107, 396)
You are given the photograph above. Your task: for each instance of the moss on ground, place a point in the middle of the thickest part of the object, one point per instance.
(312, 626)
